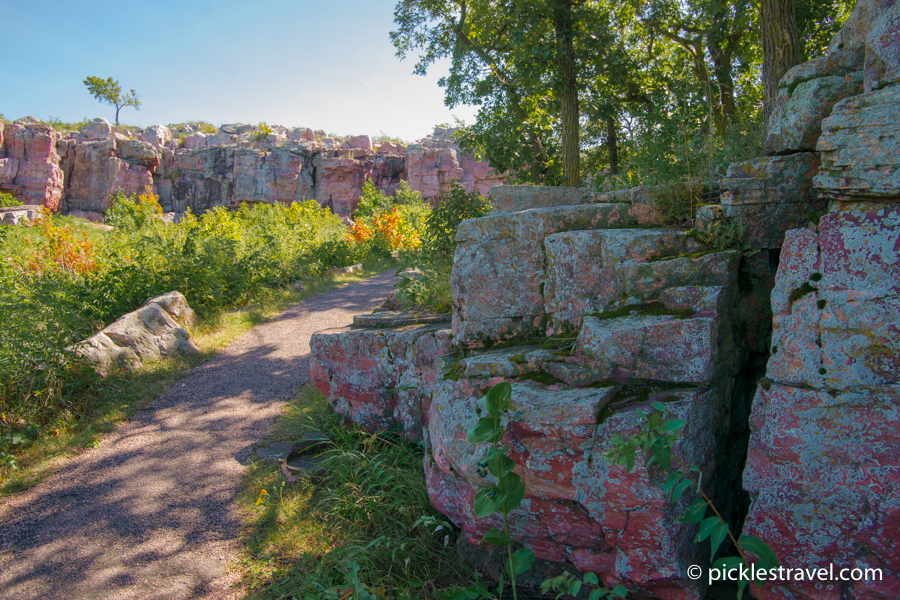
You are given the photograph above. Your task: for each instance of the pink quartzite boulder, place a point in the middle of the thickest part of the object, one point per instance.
(37, 174)
(498, 279)
(578, 508)
(823, 451)
(860, 147)
(380, 378)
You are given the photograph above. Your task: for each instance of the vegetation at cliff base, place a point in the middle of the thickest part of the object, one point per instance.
(62, 279)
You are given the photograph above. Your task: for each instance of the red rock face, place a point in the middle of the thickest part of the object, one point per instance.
(436, 161)
(380, 378)
(824, 445)
(579, 509)
(38, 177)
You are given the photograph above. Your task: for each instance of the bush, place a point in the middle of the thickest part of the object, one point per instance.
(384, 225)
(430, 286)
(61, 282)
(8, 200)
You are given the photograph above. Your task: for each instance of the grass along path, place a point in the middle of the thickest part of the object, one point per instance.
(151, 512)
(365, 526)
(124, 394)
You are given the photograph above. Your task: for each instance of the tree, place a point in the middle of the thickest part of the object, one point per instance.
(109, 91)
(780, 45)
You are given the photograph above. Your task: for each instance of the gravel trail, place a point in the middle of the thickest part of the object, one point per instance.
(151, 513)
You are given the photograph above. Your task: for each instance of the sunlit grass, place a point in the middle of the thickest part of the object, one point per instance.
(303, 539)
(123, 394)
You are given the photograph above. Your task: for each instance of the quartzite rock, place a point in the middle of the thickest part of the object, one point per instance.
(380, 378)
(860, 147)
(38, 177)
(152, 332)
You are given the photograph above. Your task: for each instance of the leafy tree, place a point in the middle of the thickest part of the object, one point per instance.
(109, 91)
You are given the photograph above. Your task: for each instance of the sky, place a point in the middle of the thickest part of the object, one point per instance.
(324, 64)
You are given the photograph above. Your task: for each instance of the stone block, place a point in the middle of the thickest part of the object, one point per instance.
(379, 378)
(860, 146)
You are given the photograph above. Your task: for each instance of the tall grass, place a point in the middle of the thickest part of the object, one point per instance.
(360, 525)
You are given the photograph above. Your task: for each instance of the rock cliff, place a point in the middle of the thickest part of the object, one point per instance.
(189, 169)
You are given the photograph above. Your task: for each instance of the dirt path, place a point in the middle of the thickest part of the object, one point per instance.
(151, 513)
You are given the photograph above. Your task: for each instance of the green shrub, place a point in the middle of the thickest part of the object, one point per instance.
(430, 286)
(8, 200)
(62, 281)
(262, 132)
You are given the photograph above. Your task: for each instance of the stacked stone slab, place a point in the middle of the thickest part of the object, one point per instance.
(602, 312)
(379, 373)
(822, 464)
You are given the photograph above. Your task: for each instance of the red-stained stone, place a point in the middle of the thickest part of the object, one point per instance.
(37, 175)
(822, 469)
(379, 378)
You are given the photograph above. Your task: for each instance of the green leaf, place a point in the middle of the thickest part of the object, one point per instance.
(679, 490)
(522, 559)
(673, 425)
(706, 528)
(596, 594)
(483, 432)
(719, 533)
(574, 587)
(497, 398)
(486, 503)
(515, 491)
(591, 579)
(758, 547)
(620, 591)
(674, 478)
(496, 537)
(504, 465)
(663, 456)
(695, 512)
(659, 406)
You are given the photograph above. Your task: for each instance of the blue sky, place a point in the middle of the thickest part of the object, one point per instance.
(325, 64)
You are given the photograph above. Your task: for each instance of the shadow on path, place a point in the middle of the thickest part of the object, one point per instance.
(150, 514)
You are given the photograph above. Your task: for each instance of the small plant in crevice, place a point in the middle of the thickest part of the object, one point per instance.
(504, 497)
(726, 234)
(656, 438)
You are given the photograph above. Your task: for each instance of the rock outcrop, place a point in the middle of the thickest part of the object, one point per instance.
(592, 310)
(152, 332)
(192, 169)
(31, 165)
(821, 467)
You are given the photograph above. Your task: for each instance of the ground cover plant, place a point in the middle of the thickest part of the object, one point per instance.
(62, 279)
(362, 529)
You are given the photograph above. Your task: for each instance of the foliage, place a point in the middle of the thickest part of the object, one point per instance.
(108, 91)
(426, 282)
(383, 224)
(727, 234)
(262, 132)
(655, 442)
(363, 529)
(63, 279)
(8, 200)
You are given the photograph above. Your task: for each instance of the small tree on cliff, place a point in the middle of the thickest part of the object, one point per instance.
(110, 92)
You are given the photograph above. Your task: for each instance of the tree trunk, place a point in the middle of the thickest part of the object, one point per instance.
(612, 145)
(565, 61)
(722, 69)
(780, 45)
